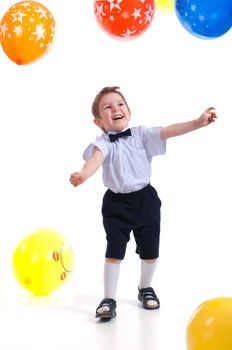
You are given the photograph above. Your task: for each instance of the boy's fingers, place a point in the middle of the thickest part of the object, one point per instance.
(209, 109)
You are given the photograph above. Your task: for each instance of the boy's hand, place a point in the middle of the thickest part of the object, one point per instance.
(76, 179)
(208, 116)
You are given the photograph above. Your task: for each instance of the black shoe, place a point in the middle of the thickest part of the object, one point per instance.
(146, 294)
(111, 304)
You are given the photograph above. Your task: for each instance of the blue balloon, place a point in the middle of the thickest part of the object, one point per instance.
(205, 19)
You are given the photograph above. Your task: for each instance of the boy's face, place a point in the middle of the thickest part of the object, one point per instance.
(114, 113)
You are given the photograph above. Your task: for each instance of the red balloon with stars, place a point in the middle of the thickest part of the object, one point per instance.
(124, 19)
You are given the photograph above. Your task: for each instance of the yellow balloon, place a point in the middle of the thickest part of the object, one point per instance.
(165, 5)
(210, 326)
(43, 261)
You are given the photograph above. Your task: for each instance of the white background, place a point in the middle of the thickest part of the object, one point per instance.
(167, 76)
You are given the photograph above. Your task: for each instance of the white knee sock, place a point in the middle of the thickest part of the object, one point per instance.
(147, 272)
(111, 276)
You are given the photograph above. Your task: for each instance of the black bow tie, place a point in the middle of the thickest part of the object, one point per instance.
(114, 137)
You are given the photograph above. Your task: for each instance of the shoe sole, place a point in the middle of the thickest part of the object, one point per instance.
(151, 308)
(106, 315)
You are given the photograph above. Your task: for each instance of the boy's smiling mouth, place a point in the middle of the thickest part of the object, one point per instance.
(117, 117)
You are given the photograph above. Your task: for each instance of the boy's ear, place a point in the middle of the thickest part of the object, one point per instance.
(97, 121)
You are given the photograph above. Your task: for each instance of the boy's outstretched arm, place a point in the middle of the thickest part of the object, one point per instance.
(207, 117)
(89, 168)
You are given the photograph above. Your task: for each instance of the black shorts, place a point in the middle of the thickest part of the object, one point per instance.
(138, 212)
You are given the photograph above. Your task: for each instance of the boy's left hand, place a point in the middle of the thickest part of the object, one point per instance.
(208, 116)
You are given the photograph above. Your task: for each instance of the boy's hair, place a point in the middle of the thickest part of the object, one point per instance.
(103, 92)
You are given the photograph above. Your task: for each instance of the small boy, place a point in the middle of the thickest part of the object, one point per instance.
(130, 202)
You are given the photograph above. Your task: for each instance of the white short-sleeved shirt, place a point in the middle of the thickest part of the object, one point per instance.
(127, 161)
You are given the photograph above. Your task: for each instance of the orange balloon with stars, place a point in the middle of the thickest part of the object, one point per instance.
(27, 31)
(124, 19)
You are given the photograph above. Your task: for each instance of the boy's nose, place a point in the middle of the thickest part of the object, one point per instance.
(115, 108)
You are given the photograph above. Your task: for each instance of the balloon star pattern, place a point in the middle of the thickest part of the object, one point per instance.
(27, 31)
(205, 19)
(124, 19)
